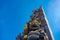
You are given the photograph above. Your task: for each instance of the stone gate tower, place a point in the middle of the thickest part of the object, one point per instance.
(37, 28)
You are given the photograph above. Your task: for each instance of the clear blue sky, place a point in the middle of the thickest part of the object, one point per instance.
(14, 14)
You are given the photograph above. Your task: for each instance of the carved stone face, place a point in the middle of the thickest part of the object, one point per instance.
(34, 24)
(36, 35)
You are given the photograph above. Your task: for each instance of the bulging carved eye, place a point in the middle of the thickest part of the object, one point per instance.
(33, 35)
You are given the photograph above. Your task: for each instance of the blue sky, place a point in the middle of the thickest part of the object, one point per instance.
(14, 14)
